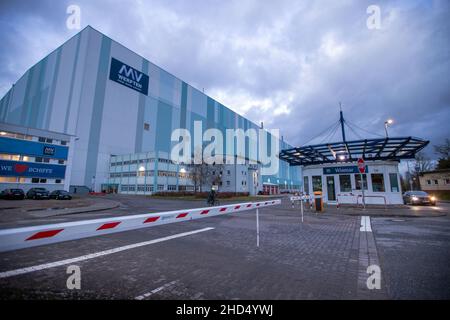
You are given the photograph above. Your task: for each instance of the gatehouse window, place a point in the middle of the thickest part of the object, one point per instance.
(317, 183)
(345, 183)
(378, 182)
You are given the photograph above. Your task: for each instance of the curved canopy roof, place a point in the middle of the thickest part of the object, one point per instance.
(369, 149)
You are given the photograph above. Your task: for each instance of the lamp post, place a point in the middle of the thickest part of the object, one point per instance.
(387, 123)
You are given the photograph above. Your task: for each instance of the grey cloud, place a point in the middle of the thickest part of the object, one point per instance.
(280, 51)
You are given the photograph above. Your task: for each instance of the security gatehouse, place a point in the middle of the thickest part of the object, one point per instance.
(332, 168)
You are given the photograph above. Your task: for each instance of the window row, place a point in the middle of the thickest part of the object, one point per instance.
(149, 173)
(150, 188)
(29, 180)
(436, 181)
(139, 161)
(345, 183)
(32, 138)
(17, 157)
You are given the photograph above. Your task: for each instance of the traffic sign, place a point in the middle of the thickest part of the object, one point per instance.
(361, 165)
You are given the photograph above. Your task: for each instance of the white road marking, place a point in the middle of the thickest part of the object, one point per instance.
(148, 294)
(16, 272)
(365, 224)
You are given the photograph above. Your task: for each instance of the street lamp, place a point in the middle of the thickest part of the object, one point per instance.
(387, 123)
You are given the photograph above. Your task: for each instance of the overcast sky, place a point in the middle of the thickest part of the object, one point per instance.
(287, 63)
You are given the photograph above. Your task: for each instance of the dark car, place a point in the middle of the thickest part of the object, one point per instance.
(12, 194)
(60, 195)
(418, 197)
(37, 193)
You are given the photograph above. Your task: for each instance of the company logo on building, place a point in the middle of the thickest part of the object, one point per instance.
(128, 76)
(49, 151)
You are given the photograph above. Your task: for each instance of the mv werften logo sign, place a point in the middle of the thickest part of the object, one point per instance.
(128, 76)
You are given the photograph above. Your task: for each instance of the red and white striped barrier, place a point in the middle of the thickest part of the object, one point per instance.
(18, 238)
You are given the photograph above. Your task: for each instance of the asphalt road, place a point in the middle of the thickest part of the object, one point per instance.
(326, 257)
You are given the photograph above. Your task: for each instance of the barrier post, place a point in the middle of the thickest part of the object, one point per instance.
(257, 227)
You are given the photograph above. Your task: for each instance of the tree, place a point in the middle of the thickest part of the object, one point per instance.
(443, 151)
(204, 173)
(199, 172)
(422, 163)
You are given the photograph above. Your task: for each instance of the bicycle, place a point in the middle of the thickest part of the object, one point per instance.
(213, 202)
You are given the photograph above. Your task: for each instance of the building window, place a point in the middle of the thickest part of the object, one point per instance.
(428, 181)
(41, 139)
(48, 140)
(447, 181)
(60, 161)
(14, 157)
(317, 183)
(171, 187)
(394, 182)
(358, 181)
(46, 160)
(228, 183)
(378, 182)
(306, 185)
(58, 181)
(228, 172)
(436, 182)
(345, 183)
(43, 180)
(35, 180)
(63, 143)
(38, 159)
(146, 126)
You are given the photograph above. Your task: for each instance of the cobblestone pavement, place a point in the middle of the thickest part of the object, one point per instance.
(324, 258)
(415, 256)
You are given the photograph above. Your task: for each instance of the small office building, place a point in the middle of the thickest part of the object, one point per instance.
(150, 172)
(436, 182)
(34, 158)
(342, 182)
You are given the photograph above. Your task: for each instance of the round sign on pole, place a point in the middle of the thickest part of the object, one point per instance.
(361, 165)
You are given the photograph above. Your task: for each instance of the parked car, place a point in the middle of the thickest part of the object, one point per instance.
(60, 195)
(37, 193)
(418, 197)
(12, 194)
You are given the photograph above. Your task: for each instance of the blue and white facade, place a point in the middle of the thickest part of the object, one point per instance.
(34, 158)
(114, 102)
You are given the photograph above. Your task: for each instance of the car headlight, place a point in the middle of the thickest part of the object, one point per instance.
(433, 198)
(415, 198)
